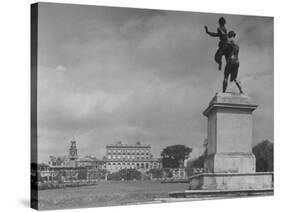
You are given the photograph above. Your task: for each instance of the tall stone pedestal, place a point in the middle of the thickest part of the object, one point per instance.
(230, 163)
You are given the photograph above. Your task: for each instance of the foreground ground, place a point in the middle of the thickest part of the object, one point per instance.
(106, 194)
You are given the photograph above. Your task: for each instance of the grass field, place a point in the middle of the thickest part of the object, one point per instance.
(106, 194)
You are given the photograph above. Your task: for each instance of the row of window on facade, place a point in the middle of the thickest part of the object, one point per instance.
(128, 157)
(128, 153)
(124, 151)
(134, 165)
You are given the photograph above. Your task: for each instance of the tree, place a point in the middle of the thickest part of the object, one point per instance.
(199, 161)
(173, 156)
(264, 156)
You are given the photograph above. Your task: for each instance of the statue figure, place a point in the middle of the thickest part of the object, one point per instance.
(222, 34)
(230, 50)
(232, 62)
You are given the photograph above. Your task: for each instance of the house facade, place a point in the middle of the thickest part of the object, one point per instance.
(130, 156)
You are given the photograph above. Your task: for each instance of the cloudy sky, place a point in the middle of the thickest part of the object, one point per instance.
(109, 74)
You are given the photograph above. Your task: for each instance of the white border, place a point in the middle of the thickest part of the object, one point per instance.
(15, 101)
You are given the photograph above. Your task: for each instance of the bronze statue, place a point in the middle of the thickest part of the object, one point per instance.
(230, 50)
(232, 62)
(222, 34)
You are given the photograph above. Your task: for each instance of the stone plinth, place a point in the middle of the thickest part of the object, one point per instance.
(230, 134)
(230, 163)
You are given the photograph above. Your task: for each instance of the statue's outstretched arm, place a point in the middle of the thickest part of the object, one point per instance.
(213, 34)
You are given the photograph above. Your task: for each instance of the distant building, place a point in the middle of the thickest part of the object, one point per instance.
(41, 171)
(59, 161)
(66, 161)
(125, 156)
(72, 167)
(89, 162)
(73, 154)
(73, 161)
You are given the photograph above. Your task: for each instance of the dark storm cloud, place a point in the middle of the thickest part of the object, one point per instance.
(108, 74)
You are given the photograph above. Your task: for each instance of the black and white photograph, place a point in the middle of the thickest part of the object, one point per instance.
(140, 106)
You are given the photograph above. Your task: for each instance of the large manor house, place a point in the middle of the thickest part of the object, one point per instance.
(135, 156)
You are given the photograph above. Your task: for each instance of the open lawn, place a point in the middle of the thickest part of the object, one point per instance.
(106, 194)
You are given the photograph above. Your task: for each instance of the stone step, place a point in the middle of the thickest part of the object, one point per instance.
(221, 193)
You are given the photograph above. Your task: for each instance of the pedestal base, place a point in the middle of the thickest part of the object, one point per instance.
(232, 181)
(230, 162)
